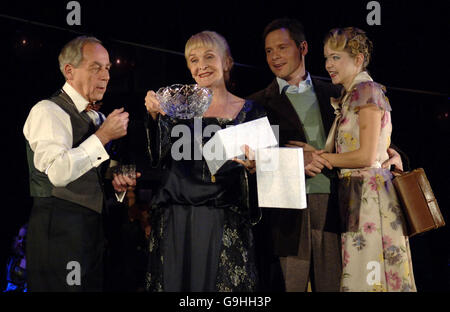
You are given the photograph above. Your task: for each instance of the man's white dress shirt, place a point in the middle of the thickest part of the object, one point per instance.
(48, 130)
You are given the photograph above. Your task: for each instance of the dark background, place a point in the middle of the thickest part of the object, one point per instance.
(410, 57)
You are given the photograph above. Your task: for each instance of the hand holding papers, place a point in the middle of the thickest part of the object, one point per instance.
(279, 171)
(226, 143)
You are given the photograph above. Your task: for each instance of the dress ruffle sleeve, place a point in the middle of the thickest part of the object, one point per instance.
(369, 93)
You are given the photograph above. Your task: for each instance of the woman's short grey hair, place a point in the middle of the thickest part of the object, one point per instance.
(211, 39)
(72, 52)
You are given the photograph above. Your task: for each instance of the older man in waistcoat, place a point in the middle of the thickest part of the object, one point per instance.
(65, 141)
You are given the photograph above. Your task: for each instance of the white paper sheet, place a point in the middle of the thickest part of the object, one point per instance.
(226, 143)
(280, 178)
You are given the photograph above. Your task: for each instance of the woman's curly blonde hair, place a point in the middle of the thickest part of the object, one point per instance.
(352, 40)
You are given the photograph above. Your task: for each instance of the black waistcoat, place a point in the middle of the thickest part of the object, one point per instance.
(87, 190)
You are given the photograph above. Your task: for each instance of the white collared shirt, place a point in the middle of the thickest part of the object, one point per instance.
(48, 130)
(302, 86)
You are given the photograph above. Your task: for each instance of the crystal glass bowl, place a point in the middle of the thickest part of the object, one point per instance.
(184, 101)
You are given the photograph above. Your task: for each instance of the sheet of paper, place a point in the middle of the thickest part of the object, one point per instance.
(226, 143)
(280, 178)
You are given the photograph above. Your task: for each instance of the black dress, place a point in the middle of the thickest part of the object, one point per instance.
(201, 238)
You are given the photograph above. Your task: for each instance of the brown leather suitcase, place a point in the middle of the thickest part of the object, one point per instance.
(418, 202)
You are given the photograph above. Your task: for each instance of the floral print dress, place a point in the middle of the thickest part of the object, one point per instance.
(375, 249)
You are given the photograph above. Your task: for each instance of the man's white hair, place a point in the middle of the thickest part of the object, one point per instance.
(72, 52)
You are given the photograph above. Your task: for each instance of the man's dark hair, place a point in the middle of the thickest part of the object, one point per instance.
(295, 28)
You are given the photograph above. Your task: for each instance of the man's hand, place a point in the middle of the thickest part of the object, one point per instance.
(121, 183)
(394, 159)
(114, 127)
(306, 147)
(314, 163)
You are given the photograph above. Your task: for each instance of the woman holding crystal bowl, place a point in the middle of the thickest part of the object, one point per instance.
(201, 236)
(375, 249)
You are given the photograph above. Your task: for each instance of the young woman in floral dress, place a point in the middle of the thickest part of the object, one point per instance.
(375, 249)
